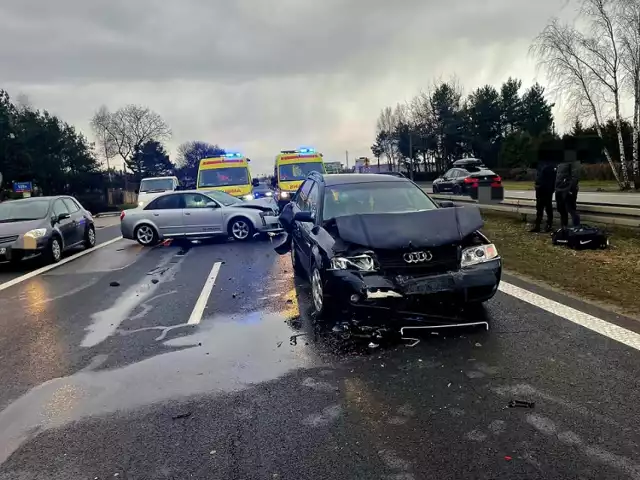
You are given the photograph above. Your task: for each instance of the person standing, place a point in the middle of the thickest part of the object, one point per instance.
(567, 186)
(545, 186)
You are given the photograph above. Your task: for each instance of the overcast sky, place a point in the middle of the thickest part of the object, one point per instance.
(258, 76)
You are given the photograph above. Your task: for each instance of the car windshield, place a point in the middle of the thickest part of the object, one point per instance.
(223, 177)
(23, 210)
(299, 171)
(223, 198)
(156, 184)
(375, 197)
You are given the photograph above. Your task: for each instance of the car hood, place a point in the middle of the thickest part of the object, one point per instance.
(18, 228)
(429, 228)
(262, 204)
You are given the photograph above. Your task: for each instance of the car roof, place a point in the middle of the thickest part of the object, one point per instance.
(332, 179)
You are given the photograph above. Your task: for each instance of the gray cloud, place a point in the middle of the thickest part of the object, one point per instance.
(259, 75)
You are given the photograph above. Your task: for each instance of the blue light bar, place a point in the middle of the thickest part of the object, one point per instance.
(232, 155)
(306, 150)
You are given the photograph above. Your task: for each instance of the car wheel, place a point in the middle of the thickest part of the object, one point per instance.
(319, 300)
(90, 237)
(146, 235)
(435, 189)
(241, 229)
(54, 252)
(457, 190)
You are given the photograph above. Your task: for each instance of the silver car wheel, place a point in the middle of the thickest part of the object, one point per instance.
(56, 250)
(316, 290)
(145, 234)
(240, 230)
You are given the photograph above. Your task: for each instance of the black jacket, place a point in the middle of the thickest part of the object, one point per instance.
(546, 177)
(567, 177)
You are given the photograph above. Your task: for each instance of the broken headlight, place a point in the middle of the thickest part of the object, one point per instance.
(363, 263)
(478, 254)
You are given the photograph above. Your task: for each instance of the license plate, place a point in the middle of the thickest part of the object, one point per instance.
(429, 286)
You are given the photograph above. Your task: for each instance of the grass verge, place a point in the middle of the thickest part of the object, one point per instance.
(610, 277)
(585, 185)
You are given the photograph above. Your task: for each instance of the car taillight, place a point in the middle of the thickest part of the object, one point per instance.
(470, 180)
(121, 215)
(497, 179)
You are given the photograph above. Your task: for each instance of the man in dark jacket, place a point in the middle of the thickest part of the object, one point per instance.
(567, 180)
(545, 186)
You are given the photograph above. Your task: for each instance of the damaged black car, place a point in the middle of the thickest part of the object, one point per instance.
(380, 242)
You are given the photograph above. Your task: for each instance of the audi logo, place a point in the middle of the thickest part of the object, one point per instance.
(417, 257)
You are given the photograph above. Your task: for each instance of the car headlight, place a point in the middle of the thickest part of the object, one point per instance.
(248, 197)
(269, 194)
(141, 203)
(284, 194)
(36, 233)
(364, 263)
(478, 254)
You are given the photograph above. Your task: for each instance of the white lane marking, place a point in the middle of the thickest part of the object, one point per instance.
(619, 334)
(45, 269)
(198, 309)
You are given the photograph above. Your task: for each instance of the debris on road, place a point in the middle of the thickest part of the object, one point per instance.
(520, 404)
(114, 284)
(182, 415)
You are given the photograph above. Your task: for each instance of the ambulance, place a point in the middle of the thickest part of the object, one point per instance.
(228, 173)
(291, 169)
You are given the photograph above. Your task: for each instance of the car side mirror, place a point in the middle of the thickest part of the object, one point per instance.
(447, 204)
(255, 182)
(306, 217)
(62, 216)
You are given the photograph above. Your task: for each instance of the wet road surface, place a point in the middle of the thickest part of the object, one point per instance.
(103, 381)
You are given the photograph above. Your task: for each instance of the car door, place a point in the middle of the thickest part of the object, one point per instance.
(306, 235)
(447, 181)
(299, 203)
(201, 215)
(66, 226)
(77, 216)
(166, 214)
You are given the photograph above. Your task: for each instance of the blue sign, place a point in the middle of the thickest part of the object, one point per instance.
(22, 187)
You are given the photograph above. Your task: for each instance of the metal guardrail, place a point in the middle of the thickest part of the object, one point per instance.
(603, 214)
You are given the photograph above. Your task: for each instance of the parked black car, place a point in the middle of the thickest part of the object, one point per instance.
(379, 241)
(43, 225)
(466, 174)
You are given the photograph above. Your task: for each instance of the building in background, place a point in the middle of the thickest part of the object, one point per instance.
(333, 167)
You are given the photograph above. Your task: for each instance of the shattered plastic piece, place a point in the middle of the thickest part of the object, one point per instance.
(449, 385)
(478, 344)
(182, 415)
(114, 284)
(155, 281)
(521, 404)
(507, 458)
(373, 345)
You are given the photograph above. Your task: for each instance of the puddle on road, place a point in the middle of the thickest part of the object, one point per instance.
(106, 323)
(229, 354)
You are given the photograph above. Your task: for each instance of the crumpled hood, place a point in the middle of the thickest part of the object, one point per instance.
(18, 228)
(264, 204)
(429, 228)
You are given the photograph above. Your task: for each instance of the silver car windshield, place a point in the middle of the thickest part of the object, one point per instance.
(223, 198)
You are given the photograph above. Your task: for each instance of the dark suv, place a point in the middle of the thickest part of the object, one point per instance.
(466, 174)
(379, 241)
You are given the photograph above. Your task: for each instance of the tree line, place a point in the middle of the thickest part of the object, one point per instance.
(594, 68)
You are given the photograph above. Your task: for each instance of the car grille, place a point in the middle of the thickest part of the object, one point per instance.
(445, 258)
(11, 238)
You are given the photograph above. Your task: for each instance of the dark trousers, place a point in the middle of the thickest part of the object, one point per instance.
(566, 204)
(544, 203)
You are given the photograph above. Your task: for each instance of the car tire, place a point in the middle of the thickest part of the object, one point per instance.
(90, 237)
(241, 229)
(53, 253)
(435, 189)
(319, 304)
(146, 235)
(457, 190)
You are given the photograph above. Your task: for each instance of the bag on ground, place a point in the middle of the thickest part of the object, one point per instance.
(583, 237)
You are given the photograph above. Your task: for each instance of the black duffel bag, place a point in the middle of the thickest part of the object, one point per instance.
(582, 237)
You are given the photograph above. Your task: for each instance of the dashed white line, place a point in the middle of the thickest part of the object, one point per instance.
(198, 309)
(45, 269)
(610, 330)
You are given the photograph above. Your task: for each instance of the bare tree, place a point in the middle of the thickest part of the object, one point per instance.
(100, 124)
(129, 128)
(560, 50)
(628, 15)
(387, 122)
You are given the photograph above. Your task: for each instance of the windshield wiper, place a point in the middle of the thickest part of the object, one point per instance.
(11, 220)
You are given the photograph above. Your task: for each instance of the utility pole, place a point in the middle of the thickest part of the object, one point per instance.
(410, 156)
(347, 158)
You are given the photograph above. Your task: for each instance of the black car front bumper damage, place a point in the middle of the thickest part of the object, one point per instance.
(417, 295)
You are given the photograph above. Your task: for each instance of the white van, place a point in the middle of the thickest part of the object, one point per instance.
(151, 187)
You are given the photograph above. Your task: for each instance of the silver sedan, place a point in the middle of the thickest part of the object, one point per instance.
(194, 214)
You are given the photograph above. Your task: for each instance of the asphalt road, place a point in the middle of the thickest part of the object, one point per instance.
(103, 382)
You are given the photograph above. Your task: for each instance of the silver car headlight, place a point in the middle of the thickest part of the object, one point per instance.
(269, 194)
(248, 197)
(363, 263)
(36, 233)
(284, 194)
(141, 203)
(479, 254)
